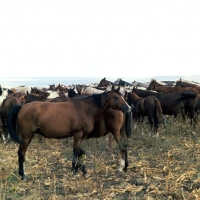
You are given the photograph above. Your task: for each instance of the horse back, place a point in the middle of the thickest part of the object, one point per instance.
(51, 119)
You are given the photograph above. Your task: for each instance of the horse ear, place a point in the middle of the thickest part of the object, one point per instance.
(118, 88)
(113, 87)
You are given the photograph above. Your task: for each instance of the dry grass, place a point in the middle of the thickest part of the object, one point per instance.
(164, 167)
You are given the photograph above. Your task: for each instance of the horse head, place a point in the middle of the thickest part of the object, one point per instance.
(117, 101)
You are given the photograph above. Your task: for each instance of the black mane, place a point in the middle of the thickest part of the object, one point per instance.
(97, 97)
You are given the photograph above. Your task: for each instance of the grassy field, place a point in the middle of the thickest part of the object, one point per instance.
(164, 167)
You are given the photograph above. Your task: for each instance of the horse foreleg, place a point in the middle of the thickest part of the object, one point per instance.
(3, 137)
(78, 156)
(81, 162)
(123, 163)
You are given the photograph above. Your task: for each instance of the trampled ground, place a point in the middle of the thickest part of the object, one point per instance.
(164, 167)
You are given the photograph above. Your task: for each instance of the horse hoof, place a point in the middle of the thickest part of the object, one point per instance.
(86, 175)
(74, 176)
(120, 169)
(24, 178)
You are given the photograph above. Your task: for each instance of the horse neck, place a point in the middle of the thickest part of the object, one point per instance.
(135, 99)
(93, 109)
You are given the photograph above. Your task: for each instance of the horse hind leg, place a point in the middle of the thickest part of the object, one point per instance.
(21, 160)
(21, 156)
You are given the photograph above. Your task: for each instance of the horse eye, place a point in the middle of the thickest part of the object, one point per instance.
(116, 98)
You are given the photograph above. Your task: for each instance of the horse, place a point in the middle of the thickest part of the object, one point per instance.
(62, 88)
(120, 82)
(58, 99)
(139, 84)
(72, 93)
(149, 106)
(75, 117)
(23, 89)
(154, 83)
(90, 90)
(186, 83)
(167, 88)
(173, 103)
(6, 105)
(35, 90)
(114, 122)
(79, 88)
(104, 83)
(52, 87)
(34, 97)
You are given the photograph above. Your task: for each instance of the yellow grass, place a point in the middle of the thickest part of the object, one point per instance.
(164, 167)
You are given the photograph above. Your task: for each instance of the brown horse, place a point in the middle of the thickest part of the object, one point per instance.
(167, 88)
(35, 90)
(114, 122)
(34, 97)
(154, 83)
(6, 105)
(104, 83)
(63, 88)
(173, 103)
(149, 106)
(186, 83)
(75, 117)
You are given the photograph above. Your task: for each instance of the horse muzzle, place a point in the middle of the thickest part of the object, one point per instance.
(126, 109)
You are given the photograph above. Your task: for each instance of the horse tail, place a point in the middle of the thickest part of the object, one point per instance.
(11, 123)
(157, 113)
(128, 124)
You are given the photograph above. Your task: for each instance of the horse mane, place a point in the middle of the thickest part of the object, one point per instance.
(71, 93)
(159, 82)
(97, 97)
(188, 81)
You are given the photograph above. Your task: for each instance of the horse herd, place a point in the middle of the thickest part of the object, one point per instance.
(85, 112)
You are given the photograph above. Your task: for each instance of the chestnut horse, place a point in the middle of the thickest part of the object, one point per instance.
(149, 106)
(186, 83)
(114, 122)
(75, 117)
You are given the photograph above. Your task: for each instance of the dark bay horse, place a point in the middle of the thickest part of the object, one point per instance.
(104, 83)
(75, 117)
(5, 107)
(173, 103)
(30, 97)
(149, 106)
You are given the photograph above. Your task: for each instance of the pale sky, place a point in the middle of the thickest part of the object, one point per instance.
(99, 38)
